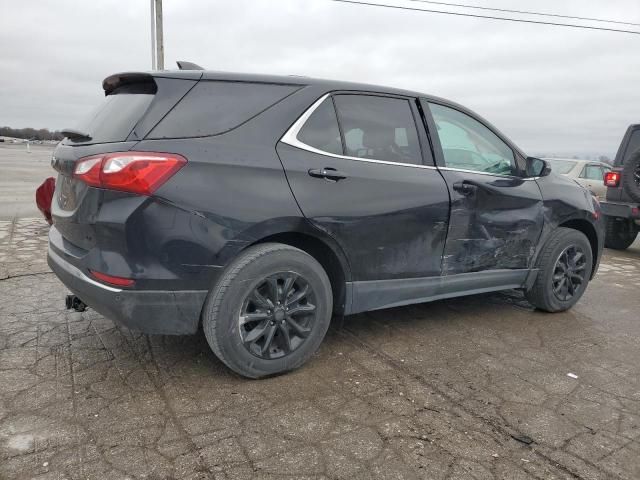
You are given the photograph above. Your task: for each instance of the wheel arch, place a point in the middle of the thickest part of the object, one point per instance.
(587, 228)
(330, 257)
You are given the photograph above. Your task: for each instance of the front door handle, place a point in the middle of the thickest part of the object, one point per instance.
(327, 173)
(465, 188)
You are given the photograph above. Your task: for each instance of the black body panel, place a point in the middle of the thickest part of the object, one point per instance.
(497, 226)
(391, 220)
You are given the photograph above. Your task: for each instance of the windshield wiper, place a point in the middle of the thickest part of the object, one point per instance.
(76, 135)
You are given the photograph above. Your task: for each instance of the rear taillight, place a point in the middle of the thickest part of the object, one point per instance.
(612, 179)
(136, 172)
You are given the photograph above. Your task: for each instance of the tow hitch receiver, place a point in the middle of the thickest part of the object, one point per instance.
(73, 302)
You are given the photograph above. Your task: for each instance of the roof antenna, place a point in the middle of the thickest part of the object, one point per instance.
(182, 65)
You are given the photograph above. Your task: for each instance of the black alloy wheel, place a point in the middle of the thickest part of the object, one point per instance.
(563, 270)
(277, 316)
(569, 272)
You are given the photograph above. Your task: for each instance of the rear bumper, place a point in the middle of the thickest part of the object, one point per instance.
(620, 210)
(149, 311)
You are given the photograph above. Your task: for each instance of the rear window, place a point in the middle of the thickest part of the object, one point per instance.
(214, 107)
(115, 117)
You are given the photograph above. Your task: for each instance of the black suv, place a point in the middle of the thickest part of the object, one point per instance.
(622, 205)
(258, 206)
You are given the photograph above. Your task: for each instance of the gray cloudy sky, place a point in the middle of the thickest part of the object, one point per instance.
(550, 89)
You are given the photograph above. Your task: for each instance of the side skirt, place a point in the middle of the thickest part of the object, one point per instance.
(377, 294)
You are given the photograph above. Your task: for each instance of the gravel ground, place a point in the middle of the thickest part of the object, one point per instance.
(477, 387)
(22, 173)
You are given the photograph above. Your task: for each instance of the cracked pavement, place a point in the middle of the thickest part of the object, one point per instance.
(434, 391)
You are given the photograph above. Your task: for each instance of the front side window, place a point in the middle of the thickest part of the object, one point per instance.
(467, 144)
(321, 129)
(378, 128)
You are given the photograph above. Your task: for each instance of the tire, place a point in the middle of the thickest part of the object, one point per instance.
(250, 287)
(542, 294)
(620, 233)
(631, 176)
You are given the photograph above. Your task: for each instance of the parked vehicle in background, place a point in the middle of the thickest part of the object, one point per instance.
(44, 197)
(259, 205)
(621, 206)
(587, 173)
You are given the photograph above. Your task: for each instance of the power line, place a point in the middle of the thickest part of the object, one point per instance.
(506, 19)
(526, 12)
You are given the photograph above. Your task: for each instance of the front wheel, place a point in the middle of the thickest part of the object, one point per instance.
(269, 311)
(620, 233)
(564, 268)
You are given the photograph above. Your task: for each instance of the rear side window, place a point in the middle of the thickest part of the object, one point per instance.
(116, 116)
(214, 107)
(379, 128)
(321, 129)
(593, 172)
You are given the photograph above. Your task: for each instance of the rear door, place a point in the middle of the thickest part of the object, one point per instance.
(355, 165)
(496, 213)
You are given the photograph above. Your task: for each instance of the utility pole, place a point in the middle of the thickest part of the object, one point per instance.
(157, 37)
(152, 16)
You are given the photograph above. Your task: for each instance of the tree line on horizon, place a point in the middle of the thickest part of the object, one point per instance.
(31, 133)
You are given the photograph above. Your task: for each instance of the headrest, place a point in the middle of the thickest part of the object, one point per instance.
(376, 138)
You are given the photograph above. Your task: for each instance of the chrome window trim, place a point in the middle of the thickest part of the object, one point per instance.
(291, 138)
(497, 175)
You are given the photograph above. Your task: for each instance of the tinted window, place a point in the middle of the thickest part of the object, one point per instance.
(213, 107)
(116, 116)
(321, 129)
(561, 166)
(379, 128)
(467, 144)
(593, 172)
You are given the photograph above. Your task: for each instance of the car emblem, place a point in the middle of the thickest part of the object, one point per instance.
(54, 161)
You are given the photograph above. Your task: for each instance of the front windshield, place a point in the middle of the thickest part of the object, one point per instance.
(561, 166)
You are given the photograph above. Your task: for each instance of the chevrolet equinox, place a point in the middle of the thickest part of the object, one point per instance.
(255, 207)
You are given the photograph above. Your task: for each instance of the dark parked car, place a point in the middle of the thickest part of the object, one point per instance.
(258, 206)
(622, 205)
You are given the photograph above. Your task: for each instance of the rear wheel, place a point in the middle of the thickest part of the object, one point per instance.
(620, 233)
(269, 311)
(564, 268)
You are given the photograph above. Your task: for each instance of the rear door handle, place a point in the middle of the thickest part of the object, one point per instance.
(464, 187)
(327, 173)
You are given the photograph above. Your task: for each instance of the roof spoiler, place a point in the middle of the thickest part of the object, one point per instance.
(142, 81)
(182, 65)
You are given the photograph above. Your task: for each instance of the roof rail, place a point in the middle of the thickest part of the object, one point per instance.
(182, 65)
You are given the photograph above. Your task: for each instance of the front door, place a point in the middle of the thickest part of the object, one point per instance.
(496, 213)
(360, 176)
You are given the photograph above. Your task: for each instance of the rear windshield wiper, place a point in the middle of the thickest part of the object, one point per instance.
(76, 135)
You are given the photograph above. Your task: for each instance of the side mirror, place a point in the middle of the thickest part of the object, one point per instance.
(536, 167)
